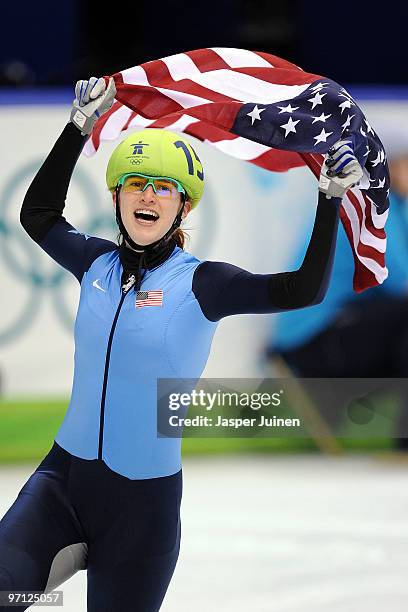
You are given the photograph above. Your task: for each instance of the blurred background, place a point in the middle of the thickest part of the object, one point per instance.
(355, 45)
(290, 524)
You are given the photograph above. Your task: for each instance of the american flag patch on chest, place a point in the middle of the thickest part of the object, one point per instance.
(149, 298)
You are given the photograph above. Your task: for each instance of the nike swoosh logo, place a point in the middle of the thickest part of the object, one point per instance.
(95, 284)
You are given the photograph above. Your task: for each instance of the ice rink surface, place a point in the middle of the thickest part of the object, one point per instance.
(280, 534)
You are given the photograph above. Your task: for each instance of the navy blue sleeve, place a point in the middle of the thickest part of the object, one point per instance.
(72, 249)
(223, 289)
(44, 202)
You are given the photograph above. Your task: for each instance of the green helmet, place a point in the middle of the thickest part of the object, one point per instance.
(158, 152)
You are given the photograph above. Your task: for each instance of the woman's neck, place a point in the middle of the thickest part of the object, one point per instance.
(152, 258)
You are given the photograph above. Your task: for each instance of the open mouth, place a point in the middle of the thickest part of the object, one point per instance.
(145, 216)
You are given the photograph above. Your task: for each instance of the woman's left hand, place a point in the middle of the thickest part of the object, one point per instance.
(340, 170)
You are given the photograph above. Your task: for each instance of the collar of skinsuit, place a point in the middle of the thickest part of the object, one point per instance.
(137, 263)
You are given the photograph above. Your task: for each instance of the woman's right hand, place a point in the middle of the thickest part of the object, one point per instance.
(92, 99)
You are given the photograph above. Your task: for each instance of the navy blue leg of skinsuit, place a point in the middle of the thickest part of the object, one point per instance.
(73, 513)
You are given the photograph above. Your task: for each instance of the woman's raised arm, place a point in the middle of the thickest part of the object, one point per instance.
(223, 289)
(44, 202)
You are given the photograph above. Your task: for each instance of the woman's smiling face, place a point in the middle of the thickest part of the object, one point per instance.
(147, 216)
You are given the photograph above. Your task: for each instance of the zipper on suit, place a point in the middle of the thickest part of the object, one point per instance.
(125, 289)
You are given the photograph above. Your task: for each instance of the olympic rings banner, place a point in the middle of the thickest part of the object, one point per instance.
(248, 217)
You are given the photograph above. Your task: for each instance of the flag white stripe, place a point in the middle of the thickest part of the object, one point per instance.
(182, 123)
(141, 122)
(181, 66)
(186, 100)
(135, 76)
(239, 58)
(241, 148)
(379, 272)
(116, 121)
(366, 237)
(89, 148)
(111, 129)
(379, 221)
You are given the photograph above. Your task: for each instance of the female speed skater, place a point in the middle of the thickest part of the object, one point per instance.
(107, 495)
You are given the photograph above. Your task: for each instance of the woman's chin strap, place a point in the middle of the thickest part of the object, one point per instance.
(154, 245)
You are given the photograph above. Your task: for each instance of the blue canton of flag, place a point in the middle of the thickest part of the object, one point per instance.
(311, 123)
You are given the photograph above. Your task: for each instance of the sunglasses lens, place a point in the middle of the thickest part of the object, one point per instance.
(165, 189)
(134, 183)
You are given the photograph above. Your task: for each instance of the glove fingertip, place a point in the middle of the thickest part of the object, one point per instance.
(98, 88)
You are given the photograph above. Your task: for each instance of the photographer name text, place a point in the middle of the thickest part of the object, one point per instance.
(234, 422)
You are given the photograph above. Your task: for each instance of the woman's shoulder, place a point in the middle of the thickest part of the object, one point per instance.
(185, 257)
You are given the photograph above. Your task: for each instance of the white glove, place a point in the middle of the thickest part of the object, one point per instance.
(92, 99)
(340, 170)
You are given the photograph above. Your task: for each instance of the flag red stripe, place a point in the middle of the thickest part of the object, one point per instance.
(203, 131)
(207, 60)
(279, 62)
(147, 101)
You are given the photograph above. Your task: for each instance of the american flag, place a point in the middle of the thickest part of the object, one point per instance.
(149, 298)
(262, 109)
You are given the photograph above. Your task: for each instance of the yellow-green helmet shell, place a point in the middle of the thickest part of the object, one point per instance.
(158, 153)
